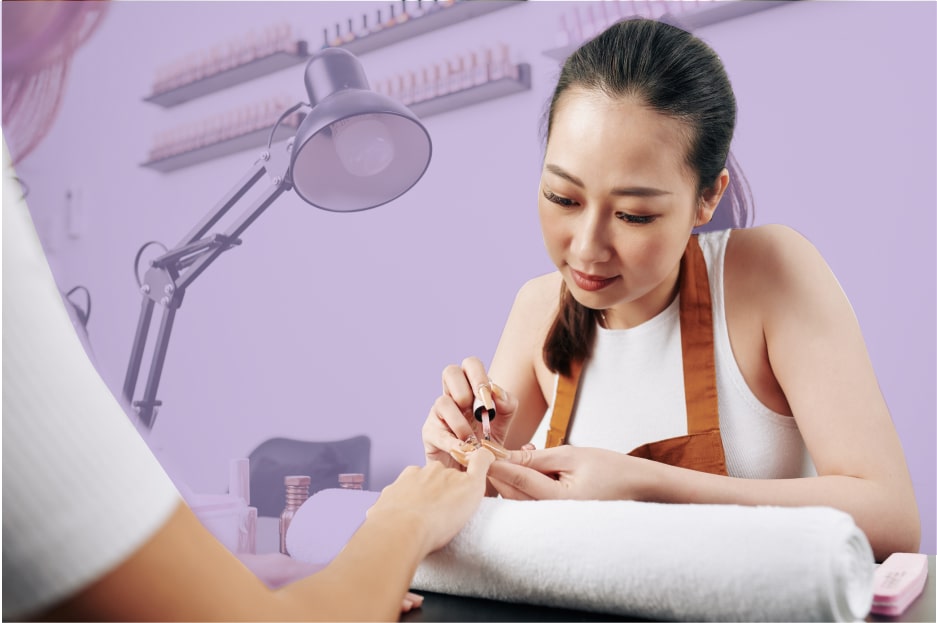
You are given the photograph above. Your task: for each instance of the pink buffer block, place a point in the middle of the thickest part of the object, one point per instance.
(898, 582)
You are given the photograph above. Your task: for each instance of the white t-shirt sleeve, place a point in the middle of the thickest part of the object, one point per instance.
(81, 489)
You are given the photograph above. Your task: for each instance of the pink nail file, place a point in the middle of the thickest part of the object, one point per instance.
(898, 582)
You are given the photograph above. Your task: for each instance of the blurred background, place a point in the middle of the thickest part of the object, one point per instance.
(323, 326)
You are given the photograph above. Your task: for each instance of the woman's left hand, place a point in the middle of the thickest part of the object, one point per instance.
(568, 472)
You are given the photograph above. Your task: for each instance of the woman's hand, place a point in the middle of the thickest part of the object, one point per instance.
(451, 420)
(568, 472)
(437, 499)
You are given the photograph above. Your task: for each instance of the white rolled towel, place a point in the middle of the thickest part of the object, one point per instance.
(660, 561)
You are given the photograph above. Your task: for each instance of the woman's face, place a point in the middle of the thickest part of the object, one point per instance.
(617, 202)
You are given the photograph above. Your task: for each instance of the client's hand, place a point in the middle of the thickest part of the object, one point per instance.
(568, 472)
(440, 500)
(451, 419)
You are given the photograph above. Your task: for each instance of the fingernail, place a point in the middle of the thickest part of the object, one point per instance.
(459, 456)
(496, 449)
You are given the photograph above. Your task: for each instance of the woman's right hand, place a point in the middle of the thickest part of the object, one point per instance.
(440, 500)
(451, 420)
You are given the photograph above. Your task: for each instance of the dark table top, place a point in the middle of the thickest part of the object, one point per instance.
(440, 607)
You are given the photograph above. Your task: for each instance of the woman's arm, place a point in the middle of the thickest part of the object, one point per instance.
(518, 361)
(518, 393)
(818, 356)
(815, 354)
(183, 573)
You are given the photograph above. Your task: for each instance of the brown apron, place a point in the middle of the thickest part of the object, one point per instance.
(700, 449)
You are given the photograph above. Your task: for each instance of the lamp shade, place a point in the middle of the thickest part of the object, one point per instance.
(356, 149)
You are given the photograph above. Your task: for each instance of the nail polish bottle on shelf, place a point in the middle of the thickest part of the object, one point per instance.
(351, 481)
(391, 20)
(404, 15)
(440, 80)
(350, 33)
(456, 67)
(427, 87)
(479, 71)
(325, 38)
(297, 492)
(364, 31)
(508, 67)
(494, 68)
(337, 39)
(378, 23)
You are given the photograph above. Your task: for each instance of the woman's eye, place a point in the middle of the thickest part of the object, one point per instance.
(563, 201)
(635, 218)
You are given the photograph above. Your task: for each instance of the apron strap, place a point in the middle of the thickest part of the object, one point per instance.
(696, 335)
(563, 405)
(699, 368)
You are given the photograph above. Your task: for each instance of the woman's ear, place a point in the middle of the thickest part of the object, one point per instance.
(711, 197)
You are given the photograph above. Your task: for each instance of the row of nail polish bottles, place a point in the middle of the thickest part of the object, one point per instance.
(465, 71)
(223, 57)
(384, 18)
(221, 127)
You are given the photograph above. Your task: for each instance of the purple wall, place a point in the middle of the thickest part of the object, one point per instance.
(323, 326)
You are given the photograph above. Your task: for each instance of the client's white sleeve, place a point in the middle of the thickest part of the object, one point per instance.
(81, 489)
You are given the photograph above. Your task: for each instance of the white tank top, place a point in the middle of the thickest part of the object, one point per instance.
(631, 392)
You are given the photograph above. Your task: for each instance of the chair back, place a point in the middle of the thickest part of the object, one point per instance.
(322, 461)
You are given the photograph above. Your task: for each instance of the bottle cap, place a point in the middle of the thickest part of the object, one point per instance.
(349, 479)
(297, 480)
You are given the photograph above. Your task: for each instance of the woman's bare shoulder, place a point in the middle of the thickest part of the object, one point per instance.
(540, 294)
(768, 245)
(774, 267)
(770, 258)
(533, 312)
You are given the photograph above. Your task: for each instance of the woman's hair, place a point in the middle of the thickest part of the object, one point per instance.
(676, 74)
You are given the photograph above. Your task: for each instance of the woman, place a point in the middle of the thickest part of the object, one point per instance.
(726, 367)
(93, 528)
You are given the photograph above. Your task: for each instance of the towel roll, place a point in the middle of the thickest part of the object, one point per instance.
(659, 561)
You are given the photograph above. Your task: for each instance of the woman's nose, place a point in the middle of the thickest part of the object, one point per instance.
(590, 239)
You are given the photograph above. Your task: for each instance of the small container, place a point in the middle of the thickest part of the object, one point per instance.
(351, 481)
(297, 492)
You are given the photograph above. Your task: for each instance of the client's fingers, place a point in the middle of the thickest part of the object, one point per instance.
(547, 460)
(519, 480)
(479, 462)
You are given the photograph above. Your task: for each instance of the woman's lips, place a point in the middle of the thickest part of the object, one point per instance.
(591, 282)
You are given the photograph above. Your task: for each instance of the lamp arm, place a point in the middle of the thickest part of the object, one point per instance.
(172, 273)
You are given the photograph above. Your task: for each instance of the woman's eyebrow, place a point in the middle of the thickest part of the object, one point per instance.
(626, 191)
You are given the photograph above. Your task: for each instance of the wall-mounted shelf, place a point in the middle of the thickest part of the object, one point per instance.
(473, 95)
(249, 140)
(439, 18)
(709, 13)
(223, 79)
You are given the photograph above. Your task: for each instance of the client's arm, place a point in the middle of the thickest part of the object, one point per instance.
(183, 573)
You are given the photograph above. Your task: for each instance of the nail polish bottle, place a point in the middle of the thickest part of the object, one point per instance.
(350, 33)
(364, 31)
(404, 16)
(440, 80)
(351, 481)
(297, 492)
(337, 39)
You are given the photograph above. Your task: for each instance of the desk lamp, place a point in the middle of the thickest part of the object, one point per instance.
(354, 150)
